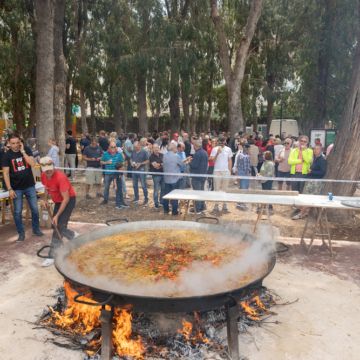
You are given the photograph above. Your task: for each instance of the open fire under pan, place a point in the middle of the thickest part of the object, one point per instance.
(151, 304)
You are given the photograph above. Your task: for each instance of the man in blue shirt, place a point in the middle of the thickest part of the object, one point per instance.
(139, 158)
(84, 142)
(181, 152)
(109, 159)
(128, 149)
(199, 165)
(172, 164)
(243, 168)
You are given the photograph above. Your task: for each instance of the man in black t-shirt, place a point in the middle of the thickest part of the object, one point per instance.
(70, 152)
(103, 141)
(17, 163)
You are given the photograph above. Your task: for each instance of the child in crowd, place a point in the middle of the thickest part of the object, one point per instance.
(120, 203)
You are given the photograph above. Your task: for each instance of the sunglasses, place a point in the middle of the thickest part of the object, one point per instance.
(303, 141)
(288, 143)
(47, 164)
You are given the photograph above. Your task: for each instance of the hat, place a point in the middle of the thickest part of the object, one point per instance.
(176, 134)
(246, 146)
(46, 163)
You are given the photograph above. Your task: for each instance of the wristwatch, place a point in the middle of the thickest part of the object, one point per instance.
(23, 151)
(10, 189)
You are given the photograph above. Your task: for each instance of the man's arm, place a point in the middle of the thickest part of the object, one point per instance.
(46, 203)
(6, 172)
(66, 198)
(29, 159)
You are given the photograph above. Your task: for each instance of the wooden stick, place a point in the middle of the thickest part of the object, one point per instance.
(55, 226)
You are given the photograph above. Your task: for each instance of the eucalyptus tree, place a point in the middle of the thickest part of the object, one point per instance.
(235, 27)
(326, 37)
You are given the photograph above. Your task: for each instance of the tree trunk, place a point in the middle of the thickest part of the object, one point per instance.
(174, 105)
(44, 74)
(93, 119)
(84, 127)
(142, 106)
(186, 106)
(125, 121)
(60, 77)
(269, 115)
(68, 120)
(234, 76)
(344, 159)
(199, 123)
(193, 110)
(157, 116)
(117, 115)
(32, 117)
(208, 116)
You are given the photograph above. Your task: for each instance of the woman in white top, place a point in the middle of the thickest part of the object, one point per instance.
(277, 148)
(163, 148)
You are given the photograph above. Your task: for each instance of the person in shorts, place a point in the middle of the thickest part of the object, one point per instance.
(92, 155)
(284, 167)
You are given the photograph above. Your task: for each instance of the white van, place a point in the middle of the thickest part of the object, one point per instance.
(288, 126)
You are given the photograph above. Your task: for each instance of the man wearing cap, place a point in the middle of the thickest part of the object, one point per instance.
(243, 168)
(63, 195)
(175, 139)
(16, 165)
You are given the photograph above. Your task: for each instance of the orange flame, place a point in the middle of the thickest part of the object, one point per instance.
(84, 318)
(187, 330)
(250, 311)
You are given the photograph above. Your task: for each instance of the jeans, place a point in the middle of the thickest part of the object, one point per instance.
(30, 194)
(244, 184)
(254, 170)
(183, 181)
(174, 203)
(142, 178)
(62, 225)
(210, 171)
(199, 185)
(108, 179)
(159, 183)
(128, 175)
(119, 193)
(123, 183)
(187, 178)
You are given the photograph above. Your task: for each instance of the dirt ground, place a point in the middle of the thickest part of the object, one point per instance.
(320, 325)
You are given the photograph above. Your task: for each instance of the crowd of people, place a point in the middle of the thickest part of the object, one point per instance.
(108, 156)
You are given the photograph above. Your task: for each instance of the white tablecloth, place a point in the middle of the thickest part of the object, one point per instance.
(38, 186)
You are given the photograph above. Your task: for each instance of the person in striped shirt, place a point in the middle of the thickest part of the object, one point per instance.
(109, 159)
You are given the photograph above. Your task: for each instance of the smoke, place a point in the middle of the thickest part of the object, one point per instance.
(200, 278)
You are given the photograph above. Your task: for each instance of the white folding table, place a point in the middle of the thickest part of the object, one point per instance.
(318, 202)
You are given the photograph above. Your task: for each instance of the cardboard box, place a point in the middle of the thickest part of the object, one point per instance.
(45, 219)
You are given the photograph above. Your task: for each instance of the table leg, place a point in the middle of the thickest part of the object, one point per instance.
(269, 218)
(187, 203)
(194, 209)
(302, 241)
(179, 209)
(328, 231)
(316, 226)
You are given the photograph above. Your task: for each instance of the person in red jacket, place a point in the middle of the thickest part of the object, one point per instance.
(58, 186)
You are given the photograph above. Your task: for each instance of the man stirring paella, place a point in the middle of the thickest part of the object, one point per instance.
(58, 186)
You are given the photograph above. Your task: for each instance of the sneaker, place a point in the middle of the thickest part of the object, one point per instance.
(161, 204)
(99, 195)
(224, 207)
(192, 212)
(135, 201)
(240, 205)
(88, 197)
(156, 206)
(76, 234)
(127, 196)
(21, 238)
(104, 202)
(146, 201)
(118, 207)
(216, 207)
(38, 233)
(48, 262)
(125, 205)
(297, 211)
